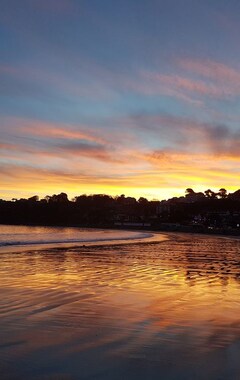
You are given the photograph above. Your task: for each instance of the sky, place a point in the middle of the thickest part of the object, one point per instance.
(134, 97)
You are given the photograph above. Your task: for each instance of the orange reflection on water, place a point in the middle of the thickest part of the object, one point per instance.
(125, 301)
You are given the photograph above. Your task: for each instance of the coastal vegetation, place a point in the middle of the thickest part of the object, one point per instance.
(195, 211)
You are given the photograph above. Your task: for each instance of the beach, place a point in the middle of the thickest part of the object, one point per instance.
(121, 308)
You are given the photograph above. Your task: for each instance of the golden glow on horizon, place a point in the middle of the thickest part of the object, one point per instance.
(78, 161)
(73, 190)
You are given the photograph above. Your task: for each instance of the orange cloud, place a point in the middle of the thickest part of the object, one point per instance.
(50, 130)
(78, 161)
(168, 174)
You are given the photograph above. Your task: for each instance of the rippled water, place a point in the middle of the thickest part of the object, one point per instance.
(168, 310)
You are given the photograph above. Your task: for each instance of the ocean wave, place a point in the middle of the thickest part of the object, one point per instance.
(79, 240)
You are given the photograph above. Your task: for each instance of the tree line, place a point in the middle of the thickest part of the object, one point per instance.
(221, 194)
(104, 210)
(83, 210)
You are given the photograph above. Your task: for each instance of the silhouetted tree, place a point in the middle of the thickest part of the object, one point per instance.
(222, 193)
(210, 194)
(35, 198)
(59, 198)
(235, 195)
(189, 192)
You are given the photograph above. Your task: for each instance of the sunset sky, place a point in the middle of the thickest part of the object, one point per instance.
(130, 97)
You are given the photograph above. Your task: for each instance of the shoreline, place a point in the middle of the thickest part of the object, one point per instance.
(142, 237)
(156, 237)
(151, 229)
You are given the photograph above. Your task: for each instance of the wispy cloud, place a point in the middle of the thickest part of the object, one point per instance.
(191, 81)
(56, 131)
(186, 134)
(168, 172)
(213, 70)
(194, 81)
(51, 144)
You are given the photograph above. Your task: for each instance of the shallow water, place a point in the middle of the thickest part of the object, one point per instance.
(11, 236)
(168, 310)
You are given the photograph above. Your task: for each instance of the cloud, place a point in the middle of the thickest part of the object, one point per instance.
(193, 81)
(92, 151)
(25, 140)
(187, 134)
(61, 151)
(213, 70)
(132, 134)
(223, 141)
(184, 152)
(84, 79)
(174, 84)
(168, 172)
(71, 160)
(58, 131)
(8, 146)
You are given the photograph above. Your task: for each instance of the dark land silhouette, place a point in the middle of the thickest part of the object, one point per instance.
(195, 211)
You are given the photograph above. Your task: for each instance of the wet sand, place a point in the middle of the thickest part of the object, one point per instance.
(166, 310)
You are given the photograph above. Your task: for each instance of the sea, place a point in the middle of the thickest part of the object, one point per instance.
(113, 304)
(38, 236)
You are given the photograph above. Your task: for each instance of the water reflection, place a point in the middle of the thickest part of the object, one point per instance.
(168, 310)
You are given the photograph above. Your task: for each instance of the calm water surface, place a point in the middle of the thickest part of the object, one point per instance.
(12, 236)
(166, 310)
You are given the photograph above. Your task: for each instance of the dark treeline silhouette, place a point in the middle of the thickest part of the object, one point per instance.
(202, 211)
(195, 210)
(85, 210)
